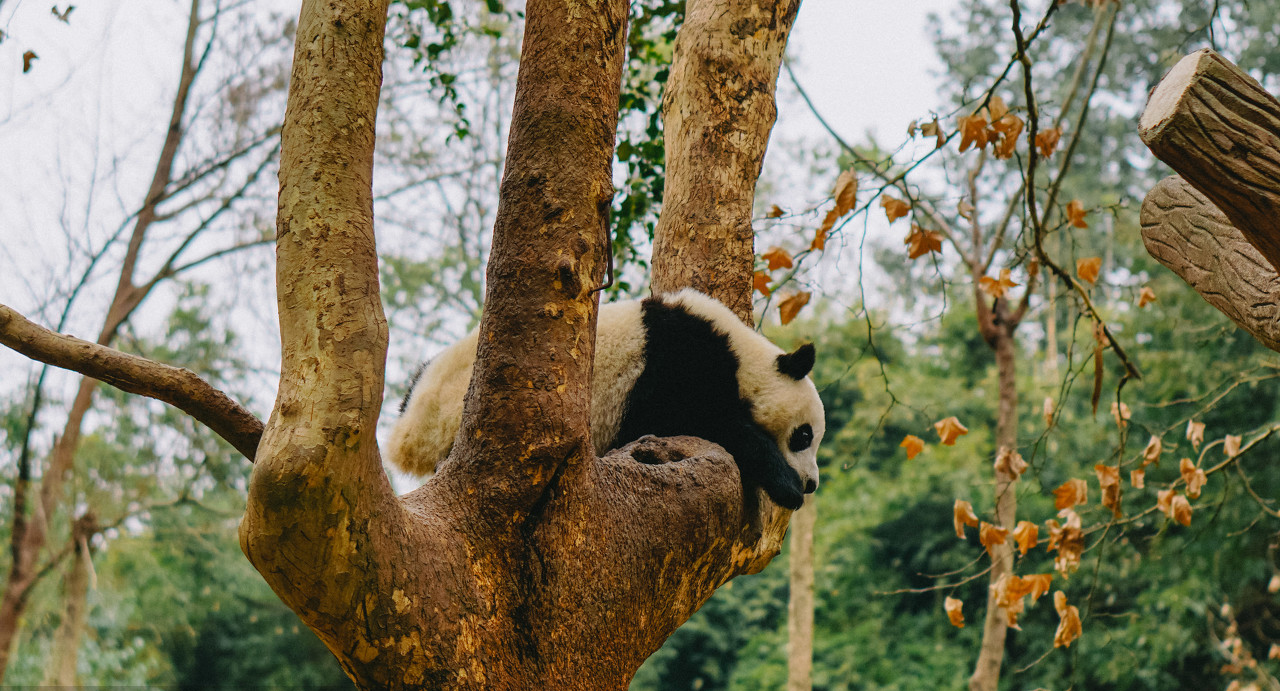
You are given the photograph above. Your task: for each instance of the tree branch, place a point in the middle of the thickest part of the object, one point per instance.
(176, 386)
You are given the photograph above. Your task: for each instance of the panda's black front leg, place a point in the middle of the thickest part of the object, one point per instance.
(762, 464)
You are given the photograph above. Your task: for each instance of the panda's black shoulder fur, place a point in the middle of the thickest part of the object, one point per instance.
(689, 386)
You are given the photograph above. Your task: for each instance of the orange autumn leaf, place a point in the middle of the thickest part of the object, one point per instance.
(845, 193)
(973, 131)
(1047, 411)
(1068, 540)
(791, 306)
(1109, 483)
(1121, 413)
(1075, 215)
(894, 208)
(1164, 499)
(953, 607)
(820, 235)
(1009, 594)
(1195, 433)
(934, 129)
(949, 430)
(1151, 454)
(913, 444)
(1039, 584)
(963, 515)
(1137, 478)
(991, 535)
(1087, 269)
(1231, 445)
(1071, 493)
(996, 107)
(996, 288)
(1026, 534)
(921, 242)
(1010, 128)
(1069, 627)
(1180, 510)
(27, 58)
(1145, 297)
(1194, 477)
(1010, 462)
(775, 211)
(1047, 140)
(760, 282)
(778, 258)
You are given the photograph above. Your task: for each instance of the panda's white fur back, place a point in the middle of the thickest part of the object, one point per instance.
(424, 434)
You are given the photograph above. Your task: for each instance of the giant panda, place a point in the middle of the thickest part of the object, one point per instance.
(675, 364)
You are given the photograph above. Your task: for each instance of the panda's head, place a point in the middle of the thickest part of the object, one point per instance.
(785, 403)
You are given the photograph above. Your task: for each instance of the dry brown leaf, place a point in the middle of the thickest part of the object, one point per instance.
(775, 211)
(1231, 445)
(1047, 140)
(973, 131)
(894, 208)
(1069, 627)
(1039, 584)
(27, 58)
(997, 108)
(996, 288)
(913, 444)
(1194, 477)
(953, 607)
(1273, 585)
(1010, 129)
(1047, 411)
(1180, 510)
(921, 242)
(846, 192)
(1087, 269)
(1151, 454)
(1146, 296)
(991, 535)
(791, 306)
(1164, 498)
(1109, 483)
(1026, 534)
(965, 209)
(760, 282)
(1075, 215)
(1010, 462)
(963, 515)
(949, 430)
(1068, 540)
(1073, 492)
(1137, 478)
(1195, 433)
(934, 129)
(778, 258)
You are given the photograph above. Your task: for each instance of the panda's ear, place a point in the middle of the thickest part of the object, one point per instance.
(797, 364)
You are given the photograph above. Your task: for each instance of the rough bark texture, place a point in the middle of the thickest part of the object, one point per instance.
(1184, 231)
(525, 562)
(176, 386)
(1219, 129)
(800, 607)
(717, 113)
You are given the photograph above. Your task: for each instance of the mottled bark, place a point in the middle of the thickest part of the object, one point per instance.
(525, 562)
(717, 113)
(800, 607)
(1184, 231)
(1218, 128)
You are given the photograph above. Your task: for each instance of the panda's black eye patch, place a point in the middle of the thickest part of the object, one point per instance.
(801, 438)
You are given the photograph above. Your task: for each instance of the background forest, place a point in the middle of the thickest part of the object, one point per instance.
(908, 285)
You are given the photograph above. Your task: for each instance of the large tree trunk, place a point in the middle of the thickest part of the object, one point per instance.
(717, 113)
(525, 562)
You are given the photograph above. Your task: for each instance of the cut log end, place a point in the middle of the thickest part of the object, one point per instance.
(1164, 99)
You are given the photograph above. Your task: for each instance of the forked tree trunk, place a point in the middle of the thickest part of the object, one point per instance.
(525, 562)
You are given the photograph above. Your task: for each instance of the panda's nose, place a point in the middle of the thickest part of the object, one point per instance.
(810, 486)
